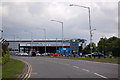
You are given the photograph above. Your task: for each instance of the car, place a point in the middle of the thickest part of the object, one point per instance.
(16, 54)
(25, 54)
(88, 55)
(22, 54)
(97, 54)
(38, 54)
(33, 54)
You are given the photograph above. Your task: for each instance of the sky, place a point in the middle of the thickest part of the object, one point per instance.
(23, 19)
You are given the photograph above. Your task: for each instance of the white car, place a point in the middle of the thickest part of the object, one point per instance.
(22, 54)
(38, 54)
(25, 54)
(19, 54)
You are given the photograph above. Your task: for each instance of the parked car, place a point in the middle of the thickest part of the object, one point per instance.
(33, 54)
(38, 54)
(88, 55)
(20, 54)
(25, 54)
(97, 54)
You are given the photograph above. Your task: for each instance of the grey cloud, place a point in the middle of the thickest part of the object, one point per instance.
(24, 18)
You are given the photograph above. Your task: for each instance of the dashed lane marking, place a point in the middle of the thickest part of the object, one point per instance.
(86, 70)
(100, 75)
(75, 67)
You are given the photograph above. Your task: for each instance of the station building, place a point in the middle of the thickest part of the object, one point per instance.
(42, 46)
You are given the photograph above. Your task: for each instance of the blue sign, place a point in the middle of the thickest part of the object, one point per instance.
(63, 51)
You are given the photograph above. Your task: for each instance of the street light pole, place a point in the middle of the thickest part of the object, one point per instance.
(56, 45)
(89, 22)
(14, 43)
(31, 41)
(91, 39)
(1, 34)
(62, 31)
(45, 37)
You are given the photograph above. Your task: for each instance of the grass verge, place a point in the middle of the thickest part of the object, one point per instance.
(12, 69)
(109, 60)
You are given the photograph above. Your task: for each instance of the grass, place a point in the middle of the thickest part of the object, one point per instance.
(110, 60)
(12, 69)
(0, 72)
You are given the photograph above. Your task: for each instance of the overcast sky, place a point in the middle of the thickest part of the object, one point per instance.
(21, 18)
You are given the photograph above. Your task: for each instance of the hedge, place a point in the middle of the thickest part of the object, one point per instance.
(6, 57)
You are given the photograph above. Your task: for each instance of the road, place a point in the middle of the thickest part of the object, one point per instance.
(65, 68)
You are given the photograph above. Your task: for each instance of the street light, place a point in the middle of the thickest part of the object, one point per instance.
(1, 34)
(31, 36)
(44, 36)
(62, 31)
(89, 22)
(91, 47)
(31, 41)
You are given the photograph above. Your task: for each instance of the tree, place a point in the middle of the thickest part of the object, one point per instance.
(88, 50)
(4, 47)
(109, 46)
(102, 45)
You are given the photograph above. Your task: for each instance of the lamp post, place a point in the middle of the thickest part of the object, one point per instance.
(56, 45)
(62, 31)
(44, 36)
(91, 47)
(31, 41)
(1, 34)
(89, 22)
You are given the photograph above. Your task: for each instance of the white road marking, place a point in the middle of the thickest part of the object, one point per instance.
(100, 75)
(75, 66)
(86, 70)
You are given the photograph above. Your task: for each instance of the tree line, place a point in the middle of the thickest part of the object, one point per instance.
(107, 46)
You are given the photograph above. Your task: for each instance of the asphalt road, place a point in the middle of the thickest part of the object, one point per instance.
(65, 68)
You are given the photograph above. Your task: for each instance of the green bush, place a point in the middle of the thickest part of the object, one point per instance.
(6, 57)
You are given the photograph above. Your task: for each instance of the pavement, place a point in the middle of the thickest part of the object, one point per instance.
(43, 67)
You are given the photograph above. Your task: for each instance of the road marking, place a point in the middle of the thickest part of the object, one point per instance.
(75, 66)
(86, 70)
(29, 71)
(100, 75)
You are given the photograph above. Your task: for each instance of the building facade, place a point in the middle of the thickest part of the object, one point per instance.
(42, 46)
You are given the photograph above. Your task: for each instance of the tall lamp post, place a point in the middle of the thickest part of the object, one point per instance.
(31, 41)
(91, 47)
(44, 36)
(1, 34)
(89, 22)
(62, 31)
